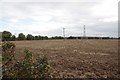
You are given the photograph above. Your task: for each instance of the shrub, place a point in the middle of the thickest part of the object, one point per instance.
(25, 68)
(42, 67)
(8, 47)
(8, 50)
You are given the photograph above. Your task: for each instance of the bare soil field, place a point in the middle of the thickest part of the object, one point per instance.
(76, 58)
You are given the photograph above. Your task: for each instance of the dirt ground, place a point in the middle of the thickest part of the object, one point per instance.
(76, 58)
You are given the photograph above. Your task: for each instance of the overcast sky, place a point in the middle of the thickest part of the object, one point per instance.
(48, 17)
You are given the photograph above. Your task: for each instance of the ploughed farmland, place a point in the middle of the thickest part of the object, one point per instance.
(75, 58)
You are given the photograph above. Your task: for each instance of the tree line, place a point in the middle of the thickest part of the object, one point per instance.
(72, 37)
(8, 36)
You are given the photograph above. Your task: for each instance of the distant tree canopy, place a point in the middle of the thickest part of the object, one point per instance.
(6, 35)
(30, 37)
(21, 36)
(36, 37)
(57, 37)
(71, 37)
(40, 37)
(44, 37)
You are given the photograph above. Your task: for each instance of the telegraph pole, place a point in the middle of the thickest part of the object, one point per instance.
(64, 33)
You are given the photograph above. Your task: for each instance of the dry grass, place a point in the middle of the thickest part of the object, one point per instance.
(76, 58)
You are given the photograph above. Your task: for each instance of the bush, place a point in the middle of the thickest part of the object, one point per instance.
(8, 50)
(42, 67)
(8, 47)
(25, 68)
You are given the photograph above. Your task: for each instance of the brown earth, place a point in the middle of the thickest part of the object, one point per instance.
(76, 58)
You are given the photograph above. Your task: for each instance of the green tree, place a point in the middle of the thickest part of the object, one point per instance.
(57, 37)
(6, 35)
(30, 37)
(39, 37)
(13, 38)
(36, 37)
(45, 37)
(21, 36)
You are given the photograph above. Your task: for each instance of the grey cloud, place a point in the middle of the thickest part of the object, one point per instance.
(74, 16)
